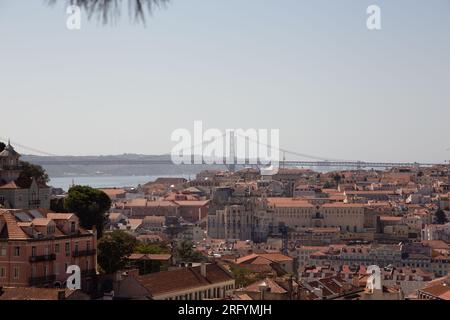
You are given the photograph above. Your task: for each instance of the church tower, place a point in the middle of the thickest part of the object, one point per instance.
(9, 164)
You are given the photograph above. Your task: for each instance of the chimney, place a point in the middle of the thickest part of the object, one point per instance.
(203, 269)
(61, 295)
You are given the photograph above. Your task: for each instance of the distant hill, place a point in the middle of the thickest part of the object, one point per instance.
(56, 167)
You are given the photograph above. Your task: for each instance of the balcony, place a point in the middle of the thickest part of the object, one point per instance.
(46, 257)
(41, 281)
(84, 253)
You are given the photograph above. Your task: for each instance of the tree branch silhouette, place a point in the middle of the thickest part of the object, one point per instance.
(109, 10)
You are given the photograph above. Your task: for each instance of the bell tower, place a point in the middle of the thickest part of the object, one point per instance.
(9, 164)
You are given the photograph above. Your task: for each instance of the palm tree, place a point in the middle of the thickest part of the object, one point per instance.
(109, 10)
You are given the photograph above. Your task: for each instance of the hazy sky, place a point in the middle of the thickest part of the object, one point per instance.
(310, 68)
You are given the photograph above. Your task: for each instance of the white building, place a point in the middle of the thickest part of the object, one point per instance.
(258, 221)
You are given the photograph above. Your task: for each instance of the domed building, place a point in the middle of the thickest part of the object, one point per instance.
(16, 193)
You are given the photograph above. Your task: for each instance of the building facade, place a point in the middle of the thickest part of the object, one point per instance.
(16, 193)
(257, 222)
(37, 247)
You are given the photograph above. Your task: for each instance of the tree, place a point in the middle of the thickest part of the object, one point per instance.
(31, 171)
(337, 178)
(109, 10)
(113, 250)
(441, 217)
(145, 266)
(147, 248)
(242, 276)
(90, 205)
(328, 185)
(186, 252)
(57, 205)
(2, 146)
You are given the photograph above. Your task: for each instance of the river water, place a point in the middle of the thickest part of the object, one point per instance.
(104, 181)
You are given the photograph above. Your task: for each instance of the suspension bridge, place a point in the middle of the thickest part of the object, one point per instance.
(309, 161)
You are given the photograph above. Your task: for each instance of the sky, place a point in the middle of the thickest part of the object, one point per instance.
(311, 69)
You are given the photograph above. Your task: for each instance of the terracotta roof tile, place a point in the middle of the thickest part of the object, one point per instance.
(269, 283)
(60, 216)
(12, 230)
(33, 294)
(182, 279)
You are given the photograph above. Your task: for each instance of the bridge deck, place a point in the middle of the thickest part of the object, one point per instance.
(281, 164)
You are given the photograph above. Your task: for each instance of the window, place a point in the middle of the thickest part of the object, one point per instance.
(2, 272)
(57, 248)
(33, 251)
(67, 249)
(16, 273)
(76, 247)
(3, 251)
(16, 251)
(51, 229)
(72, 226)
(56, 268)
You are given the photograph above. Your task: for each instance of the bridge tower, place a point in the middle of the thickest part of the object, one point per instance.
(232, 156)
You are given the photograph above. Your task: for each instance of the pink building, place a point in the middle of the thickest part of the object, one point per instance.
(37, 246)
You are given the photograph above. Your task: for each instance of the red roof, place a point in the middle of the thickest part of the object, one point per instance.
(183, 279)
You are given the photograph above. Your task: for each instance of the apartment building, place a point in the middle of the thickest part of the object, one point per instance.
(257, 222)
(207, 281)
(36, 247)
(438, 289)
(302, 214)
(436, 232)
(415, 255)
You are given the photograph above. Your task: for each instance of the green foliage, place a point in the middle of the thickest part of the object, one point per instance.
(186, 253)
(113, 250)
(90, 205)
(441, 217)
(337, 178)
(148, 248)
(32, 171)
(57, 205)
(243, 277)
(328, 185)
(145, 266)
